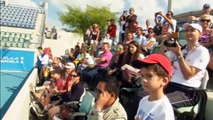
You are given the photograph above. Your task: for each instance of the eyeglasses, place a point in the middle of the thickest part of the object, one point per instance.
(73, 76)
(205, 20)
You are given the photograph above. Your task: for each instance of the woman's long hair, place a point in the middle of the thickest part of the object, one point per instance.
(129, 56)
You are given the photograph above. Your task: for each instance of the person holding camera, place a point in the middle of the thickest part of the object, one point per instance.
(131, 22)
(168, 25)
(189, 65)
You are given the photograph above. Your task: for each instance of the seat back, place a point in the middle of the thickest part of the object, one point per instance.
(87, 102)
(82, 96)
(205, 80)
(198, 109)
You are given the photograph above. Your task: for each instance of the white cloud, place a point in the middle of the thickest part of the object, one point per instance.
(116, 5)
(28, 3)
(144, 9)
(180, 6)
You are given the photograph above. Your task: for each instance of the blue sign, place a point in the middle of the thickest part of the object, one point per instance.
(19, 60)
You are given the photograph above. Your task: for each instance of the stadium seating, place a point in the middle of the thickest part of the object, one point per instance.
(13, 16)
(12, 39)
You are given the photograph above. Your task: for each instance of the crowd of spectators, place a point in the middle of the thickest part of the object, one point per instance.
(82, 66)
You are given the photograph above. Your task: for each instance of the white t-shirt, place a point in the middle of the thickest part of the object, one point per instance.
(121, 27)
(197, 57)
(44, 60)
(155, 110)
(90, 61)
(151, 40)
(141, 40)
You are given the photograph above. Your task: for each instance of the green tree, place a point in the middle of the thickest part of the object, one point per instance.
(79, 21)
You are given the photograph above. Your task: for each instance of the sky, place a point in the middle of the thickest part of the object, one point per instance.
(144, 9)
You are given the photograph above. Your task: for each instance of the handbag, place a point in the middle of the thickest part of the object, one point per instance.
(127, 75)
(66, 110)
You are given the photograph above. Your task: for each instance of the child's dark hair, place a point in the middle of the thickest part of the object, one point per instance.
(40, 48)
(158, 69)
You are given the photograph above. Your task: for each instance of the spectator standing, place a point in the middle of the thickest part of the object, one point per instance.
(156, 71)
(44, 58)
(122, 28)
(131, 22)
(53, 33)
(168, 25)
(111, 30)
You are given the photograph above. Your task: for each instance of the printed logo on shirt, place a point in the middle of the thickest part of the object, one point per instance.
(145, 116)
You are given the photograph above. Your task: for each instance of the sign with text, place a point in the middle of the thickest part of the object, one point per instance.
(19, 60)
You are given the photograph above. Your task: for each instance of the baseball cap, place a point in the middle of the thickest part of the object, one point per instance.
(70, 65)
(206, 6)
(162, 60)
(194, 25)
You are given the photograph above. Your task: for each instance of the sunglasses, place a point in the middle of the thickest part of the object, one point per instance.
(205, 20)
(73, 76)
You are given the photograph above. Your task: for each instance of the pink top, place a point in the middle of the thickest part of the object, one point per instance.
(67, 83)
(59, 84)
(108, 56)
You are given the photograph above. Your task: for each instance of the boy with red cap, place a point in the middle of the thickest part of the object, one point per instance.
(156, 71)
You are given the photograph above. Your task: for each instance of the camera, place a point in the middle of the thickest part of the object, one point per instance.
(136, 81)
(157, 13)
(171, 42)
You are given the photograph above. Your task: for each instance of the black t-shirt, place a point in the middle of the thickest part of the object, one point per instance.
(74, 94)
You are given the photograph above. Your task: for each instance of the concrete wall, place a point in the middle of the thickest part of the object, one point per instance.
(19, 109)
(66, 40)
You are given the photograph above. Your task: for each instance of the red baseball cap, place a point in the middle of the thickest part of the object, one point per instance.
(154, 59)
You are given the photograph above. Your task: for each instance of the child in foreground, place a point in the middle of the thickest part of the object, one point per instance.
(156, 71)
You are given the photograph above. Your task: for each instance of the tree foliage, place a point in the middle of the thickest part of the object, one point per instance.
(79, 21)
